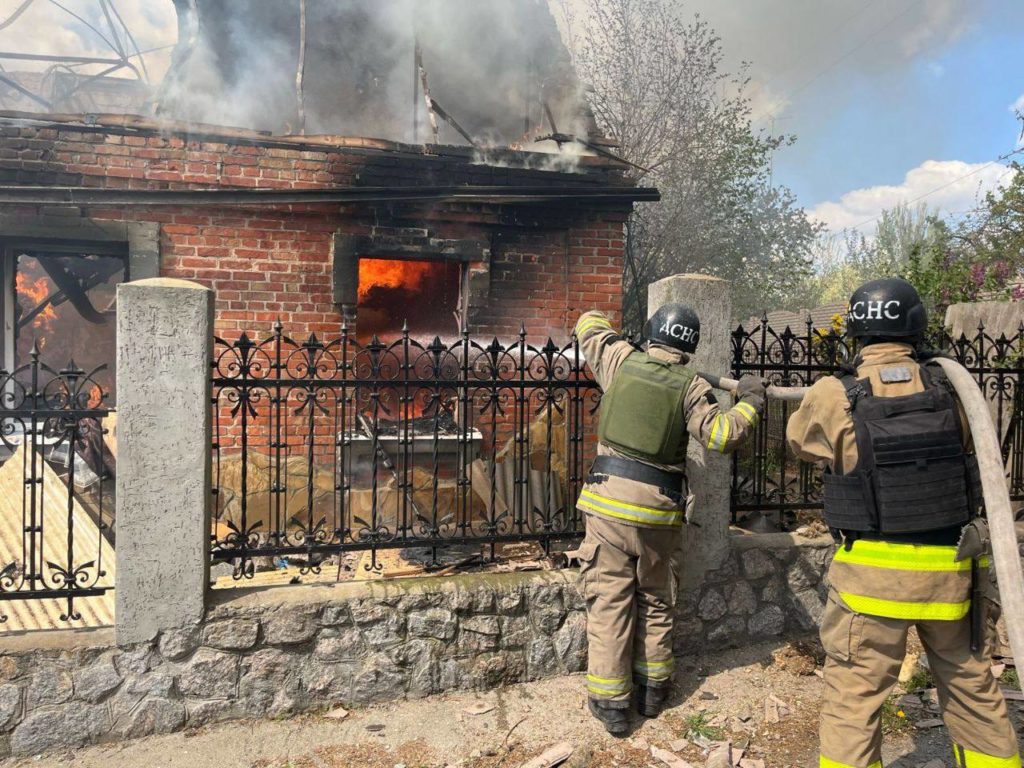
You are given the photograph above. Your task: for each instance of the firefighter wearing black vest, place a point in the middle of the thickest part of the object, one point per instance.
(635, 497)
(899, 494)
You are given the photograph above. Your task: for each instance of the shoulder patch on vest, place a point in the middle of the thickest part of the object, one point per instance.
(895, 375)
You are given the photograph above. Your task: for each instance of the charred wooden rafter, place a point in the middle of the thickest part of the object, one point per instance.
(38, 195)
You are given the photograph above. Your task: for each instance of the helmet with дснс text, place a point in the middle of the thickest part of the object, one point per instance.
(674, 325)
(886, 308)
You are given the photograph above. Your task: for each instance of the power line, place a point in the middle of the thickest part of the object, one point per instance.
(929, 193)
(807, 83)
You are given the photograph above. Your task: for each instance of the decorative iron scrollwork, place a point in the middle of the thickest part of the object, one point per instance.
(335, 443)
(51, 433)
(767, 478)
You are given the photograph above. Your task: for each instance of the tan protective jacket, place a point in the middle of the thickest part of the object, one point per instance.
(900, 581)
(631, 502)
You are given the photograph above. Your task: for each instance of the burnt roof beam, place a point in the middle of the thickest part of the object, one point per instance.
(45, 195)
(58, 59)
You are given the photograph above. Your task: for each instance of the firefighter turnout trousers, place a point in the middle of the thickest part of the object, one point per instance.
(864, 654)
(629, 586)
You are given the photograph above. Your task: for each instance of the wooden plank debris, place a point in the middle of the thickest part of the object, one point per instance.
(669, 759)
(550, 757)
(720, 757)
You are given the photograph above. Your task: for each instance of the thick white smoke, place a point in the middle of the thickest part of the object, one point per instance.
(491, 64)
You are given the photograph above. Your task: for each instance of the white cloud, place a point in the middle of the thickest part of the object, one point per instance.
(951, 186)
(936, 23)
(1018, 105)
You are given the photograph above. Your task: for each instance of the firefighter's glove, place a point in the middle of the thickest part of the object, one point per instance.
(975, 541)
(751, 389)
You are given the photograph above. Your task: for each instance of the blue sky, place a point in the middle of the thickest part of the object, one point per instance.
(889, 100)
(951, 107)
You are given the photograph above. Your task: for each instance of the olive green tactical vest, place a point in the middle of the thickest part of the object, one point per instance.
(642, 411)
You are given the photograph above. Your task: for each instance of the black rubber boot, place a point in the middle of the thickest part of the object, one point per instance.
(650, 700)
(614, 715)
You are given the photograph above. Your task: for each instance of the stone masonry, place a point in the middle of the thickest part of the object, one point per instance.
(771, 585)
(285, 650)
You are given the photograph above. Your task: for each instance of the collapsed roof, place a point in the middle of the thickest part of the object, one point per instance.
(496, 68)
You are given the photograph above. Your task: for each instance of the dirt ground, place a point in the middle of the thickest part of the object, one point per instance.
(717, 697)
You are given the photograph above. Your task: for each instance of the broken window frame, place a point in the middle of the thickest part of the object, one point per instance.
(10, 248)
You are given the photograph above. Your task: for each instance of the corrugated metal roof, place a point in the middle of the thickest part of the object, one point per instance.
(26, 615)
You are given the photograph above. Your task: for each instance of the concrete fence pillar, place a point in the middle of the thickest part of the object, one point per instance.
(705, 547)
(164, 345)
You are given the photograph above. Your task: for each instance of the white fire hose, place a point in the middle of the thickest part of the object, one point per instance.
(998, 511)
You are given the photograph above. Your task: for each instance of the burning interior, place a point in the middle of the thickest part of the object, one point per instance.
(420, 296)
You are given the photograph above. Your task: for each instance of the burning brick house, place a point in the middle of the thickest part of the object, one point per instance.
(314, 230)
(499, 212)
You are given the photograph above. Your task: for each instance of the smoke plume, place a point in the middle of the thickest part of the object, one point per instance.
(492, 65)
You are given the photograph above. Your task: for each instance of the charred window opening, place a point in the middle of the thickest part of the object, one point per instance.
(423, 293)
(61, 300)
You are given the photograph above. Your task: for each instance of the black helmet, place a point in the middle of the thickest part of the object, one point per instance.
(674, 325)
(886, 308)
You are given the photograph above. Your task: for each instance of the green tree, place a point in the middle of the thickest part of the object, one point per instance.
(657, 88)
(981, 258)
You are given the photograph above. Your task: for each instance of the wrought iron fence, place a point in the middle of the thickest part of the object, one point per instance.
(767, 478)
(324, 446)
(56, 497)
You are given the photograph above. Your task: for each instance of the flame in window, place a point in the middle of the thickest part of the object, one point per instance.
(95, 397)
(30, 295)
(393, 273)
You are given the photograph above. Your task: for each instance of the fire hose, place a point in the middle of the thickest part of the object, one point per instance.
(999, 513)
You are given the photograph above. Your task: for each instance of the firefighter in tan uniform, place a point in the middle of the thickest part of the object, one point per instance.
(899, 491)
(634, 499)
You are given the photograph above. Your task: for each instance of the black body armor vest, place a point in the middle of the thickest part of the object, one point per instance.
(912, 476)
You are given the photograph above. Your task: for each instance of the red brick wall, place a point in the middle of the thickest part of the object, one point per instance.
(274, 263)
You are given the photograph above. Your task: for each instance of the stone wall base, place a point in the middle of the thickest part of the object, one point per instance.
(284, 650)
(771, 585)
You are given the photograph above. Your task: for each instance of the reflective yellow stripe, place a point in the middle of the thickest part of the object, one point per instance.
(592, 322)
(719, 433)
(655, 670)
(903, 557)
(824, 762)
(635, 513)
(980, 760)
(669, 663)
(896, 609)
(746, 410)
(609, 686)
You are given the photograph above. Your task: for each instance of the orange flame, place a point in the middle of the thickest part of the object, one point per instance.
(391, 273)
(36, 292)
